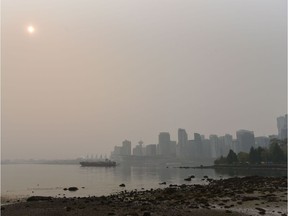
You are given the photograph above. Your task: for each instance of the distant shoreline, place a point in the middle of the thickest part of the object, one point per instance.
(240, 166)
(58, 162)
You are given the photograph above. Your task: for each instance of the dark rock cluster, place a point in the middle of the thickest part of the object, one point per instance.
(223, 195)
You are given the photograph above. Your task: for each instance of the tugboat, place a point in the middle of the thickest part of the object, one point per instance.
(105, 163)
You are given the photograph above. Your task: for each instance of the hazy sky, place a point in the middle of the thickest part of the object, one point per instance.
(96, 72)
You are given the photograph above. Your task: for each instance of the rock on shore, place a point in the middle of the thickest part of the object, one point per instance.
(234, 196)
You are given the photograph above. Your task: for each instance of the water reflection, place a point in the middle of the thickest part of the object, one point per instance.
(165, 175)
(250, 172)
(151, 175)
(21, 179)
(124, 173)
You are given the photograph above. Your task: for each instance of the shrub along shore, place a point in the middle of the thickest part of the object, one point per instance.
(241, 166)
(276, 153)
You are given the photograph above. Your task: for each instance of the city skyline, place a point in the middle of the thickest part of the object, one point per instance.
(234, 135)
(80, 77)
(182, 136)
(200, 148)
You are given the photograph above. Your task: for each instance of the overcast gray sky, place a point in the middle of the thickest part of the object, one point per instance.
(96, 72)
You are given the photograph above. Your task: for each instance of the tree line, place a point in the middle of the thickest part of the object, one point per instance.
(275, 153)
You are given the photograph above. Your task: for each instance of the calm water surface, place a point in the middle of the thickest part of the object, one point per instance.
(49, 180)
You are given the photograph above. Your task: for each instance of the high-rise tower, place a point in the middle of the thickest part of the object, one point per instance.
(182, 142)
(164, 144)
(245, 139)
(282, 127)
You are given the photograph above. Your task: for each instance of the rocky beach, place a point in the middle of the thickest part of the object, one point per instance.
(233, 196)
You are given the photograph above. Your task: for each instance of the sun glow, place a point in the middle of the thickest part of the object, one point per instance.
(30, 29)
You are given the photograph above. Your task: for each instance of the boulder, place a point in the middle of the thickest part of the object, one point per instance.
(72, 188)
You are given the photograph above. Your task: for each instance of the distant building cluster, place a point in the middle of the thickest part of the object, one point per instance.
(200, 147)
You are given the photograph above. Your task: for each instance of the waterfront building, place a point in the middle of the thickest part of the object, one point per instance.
(150, 150)
(126, 147)
(246, 140)
(206, 148)
(164, 144)
(221, 146)
(182, 143)
(202, 137)
(228, 142)
(262, 141)
(172, 148)
(138, 150)
(198, 145)
(117, 150)
(282, 127)
(235, 146)
(190, 151)
(273, 136)
(213, 145)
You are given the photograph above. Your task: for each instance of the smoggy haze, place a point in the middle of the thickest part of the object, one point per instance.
(96, 72)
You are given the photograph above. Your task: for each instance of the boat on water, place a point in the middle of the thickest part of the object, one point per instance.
(105, 163)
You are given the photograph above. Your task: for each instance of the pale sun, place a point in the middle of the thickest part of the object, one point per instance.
(30, 29)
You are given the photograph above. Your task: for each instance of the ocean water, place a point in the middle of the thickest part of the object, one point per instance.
(22, 180)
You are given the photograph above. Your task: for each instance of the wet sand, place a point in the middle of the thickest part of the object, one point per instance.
(233, 196)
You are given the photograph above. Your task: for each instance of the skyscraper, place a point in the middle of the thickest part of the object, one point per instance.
(126, 147)
(198, 145)
(164, 144)
(221, 146)
(282, 127)
(214, 145)
(172, 148)
(138, 150)
(182, 142)
(151, 150)
(262, 141)
(245, 139)
(206, 148)
(228, 141)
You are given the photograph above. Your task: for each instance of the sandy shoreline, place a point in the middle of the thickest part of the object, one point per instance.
(234, 196)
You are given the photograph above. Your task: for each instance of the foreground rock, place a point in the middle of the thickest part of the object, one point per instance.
(38, 198)
(234, 196)
(72, 188)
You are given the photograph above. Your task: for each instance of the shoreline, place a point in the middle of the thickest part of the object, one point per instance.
(252, 195)
(271, 167)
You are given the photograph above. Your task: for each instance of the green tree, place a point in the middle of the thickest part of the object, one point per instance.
(264, 155)
(259, 153)
(221, 160)
(231, 157)
(276, 153)
(243, 157)
(253, 155)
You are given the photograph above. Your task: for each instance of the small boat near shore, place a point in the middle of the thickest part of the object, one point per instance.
(105, 163)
